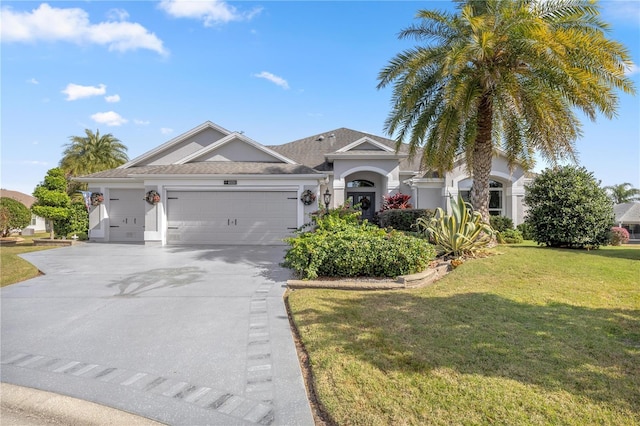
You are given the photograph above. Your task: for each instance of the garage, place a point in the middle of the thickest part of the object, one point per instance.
(126, 215)
(231, 217)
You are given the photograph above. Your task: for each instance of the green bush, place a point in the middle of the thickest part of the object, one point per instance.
(13, 216)
(500, 223)
(526, 230)
(458, 234)
(77, 223)
(510, 236)
(340, 247)
(568, 208)
(402, 219)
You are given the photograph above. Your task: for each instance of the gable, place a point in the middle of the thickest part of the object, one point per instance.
(365, 144)
(235, 150)
(181, 146)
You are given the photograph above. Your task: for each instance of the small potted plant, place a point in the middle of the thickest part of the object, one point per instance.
(97, 198)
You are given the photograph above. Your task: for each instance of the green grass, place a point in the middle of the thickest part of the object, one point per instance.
(13, 269)
(530, 336)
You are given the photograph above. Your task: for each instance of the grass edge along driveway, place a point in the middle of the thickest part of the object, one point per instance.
(14, 269)
(529, 336)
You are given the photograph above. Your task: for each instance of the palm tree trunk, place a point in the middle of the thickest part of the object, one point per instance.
(482, 156)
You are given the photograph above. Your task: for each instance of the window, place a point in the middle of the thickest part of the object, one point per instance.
(495, 195)
(360, 183)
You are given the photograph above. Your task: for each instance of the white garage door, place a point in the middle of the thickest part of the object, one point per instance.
(225, 217)
(126, 215)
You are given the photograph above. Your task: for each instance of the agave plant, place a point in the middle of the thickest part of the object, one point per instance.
(458, 234)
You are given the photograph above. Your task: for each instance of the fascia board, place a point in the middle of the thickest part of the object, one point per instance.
(229, 176)
(363, 140)
(175, 141)
(385, 156)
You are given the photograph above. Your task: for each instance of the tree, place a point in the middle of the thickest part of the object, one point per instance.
(52, 200)
(92, 153)
(502, 73)
(77, 223)
(623, 193)
(567, 208)
(13, 215)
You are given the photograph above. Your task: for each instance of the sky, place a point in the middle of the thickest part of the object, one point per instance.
(148, 71)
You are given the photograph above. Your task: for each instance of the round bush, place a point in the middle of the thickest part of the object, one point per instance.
(567, 208)
(13, 216)
(618, 236)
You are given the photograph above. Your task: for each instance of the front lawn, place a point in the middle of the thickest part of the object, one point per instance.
(530, 336)
(13, 269)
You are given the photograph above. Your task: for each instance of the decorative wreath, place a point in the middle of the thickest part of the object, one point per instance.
(308, 197)
(97, 198)
(152, 197)
(365, 203)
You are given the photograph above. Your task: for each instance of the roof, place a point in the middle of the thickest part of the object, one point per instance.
(206, 168)
(311, 150)
(21, 197)
(627, 212)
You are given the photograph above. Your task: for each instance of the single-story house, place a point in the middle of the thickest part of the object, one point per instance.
(37, 224)
(213, 186)
(628, 217)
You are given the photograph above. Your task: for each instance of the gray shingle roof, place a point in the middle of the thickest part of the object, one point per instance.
(208, 168)
(311, 150)
(627, 213)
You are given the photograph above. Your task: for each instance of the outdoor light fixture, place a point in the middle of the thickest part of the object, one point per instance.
(327, 198)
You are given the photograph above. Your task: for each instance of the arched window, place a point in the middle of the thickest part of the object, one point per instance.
(360, 183)
(495, 195)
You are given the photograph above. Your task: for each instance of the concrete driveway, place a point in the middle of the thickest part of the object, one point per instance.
(181, 335)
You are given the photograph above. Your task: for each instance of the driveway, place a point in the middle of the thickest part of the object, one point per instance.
(181, 335)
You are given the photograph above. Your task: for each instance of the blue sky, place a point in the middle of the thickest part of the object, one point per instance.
(148, 71)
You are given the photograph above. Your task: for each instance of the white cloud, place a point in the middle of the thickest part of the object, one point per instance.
(118, 15)
(109, 118)
(72, 25)
(76, 91)
(273, 78)
(165, 130)
(141, 122)
(209, 11)
(33, 81)
(112, 98)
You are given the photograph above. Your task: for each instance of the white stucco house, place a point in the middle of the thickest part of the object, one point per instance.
(213, 186)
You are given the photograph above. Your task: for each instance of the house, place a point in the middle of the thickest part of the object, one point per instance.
(628, 217)
(213, 186)
(37, 224)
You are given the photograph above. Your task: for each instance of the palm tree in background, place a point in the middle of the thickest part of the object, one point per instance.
(506, 74)
(92, 153)
(623, 193)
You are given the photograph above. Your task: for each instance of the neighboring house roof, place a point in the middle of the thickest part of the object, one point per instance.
(627, 213)
(21, 197)
(313, 150)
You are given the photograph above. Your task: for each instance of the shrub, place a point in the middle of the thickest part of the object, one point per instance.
(510, 236)
(526, 230)
(396, 201)
(460, 233)
(618, 236)
(338, 247)
(77, 223)
(52, 201)
(567, 208)
(403, 220)
(500, 223)
(13, 216)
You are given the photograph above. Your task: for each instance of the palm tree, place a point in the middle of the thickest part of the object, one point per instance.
(92, 153)
(503, 74)
(623, 193)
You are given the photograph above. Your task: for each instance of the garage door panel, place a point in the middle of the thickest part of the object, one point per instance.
(218, 217)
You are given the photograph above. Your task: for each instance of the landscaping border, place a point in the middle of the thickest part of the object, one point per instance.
(421, 279)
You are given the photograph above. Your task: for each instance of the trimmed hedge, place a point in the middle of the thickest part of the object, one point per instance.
(348, 249)
(402, 219)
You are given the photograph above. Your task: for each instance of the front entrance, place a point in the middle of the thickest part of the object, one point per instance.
(366, 201)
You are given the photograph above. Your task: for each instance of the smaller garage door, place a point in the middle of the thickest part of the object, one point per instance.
(225, 217)
(126, 215)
